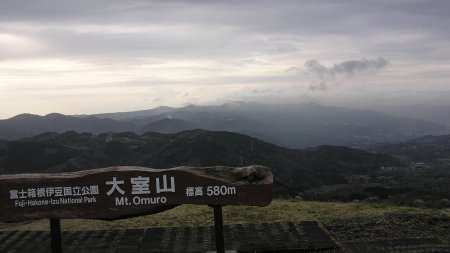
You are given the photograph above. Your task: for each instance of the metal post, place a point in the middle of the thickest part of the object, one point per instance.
(218, 225)
(55, 235)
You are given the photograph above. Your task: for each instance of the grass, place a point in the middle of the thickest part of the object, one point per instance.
(278, 211)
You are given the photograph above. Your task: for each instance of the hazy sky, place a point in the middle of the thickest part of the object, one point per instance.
(90, 56)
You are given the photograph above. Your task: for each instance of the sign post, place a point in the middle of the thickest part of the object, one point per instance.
(55, 235)
(122, 192)
(218, 227)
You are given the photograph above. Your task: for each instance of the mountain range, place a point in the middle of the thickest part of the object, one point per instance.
(289, 125)
(320, 173)
(294, 170)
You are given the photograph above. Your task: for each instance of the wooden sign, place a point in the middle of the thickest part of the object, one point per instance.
(120, 192)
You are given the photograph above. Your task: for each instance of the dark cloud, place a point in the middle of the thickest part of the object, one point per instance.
(333, 75)
(348, 68)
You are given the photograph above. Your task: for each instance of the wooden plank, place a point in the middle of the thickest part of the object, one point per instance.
(121, 192)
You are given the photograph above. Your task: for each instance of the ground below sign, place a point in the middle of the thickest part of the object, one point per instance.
(120, 192)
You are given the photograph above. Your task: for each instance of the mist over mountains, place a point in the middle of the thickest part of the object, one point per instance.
(290, 125)
(439, 114)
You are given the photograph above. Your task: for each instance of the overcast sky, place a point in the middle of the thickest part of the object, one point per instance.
(91, 56)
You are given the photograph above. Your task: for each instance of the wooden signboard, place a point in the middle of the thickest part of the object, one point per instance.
(120, 192)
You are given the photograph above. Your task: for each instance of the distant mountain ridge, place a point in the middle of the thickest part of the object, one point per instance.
(131, 115)
(26, 125)
(290, 125)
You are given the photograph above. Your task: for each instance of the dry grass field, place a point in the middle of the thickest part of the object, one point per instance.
(278, 211)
